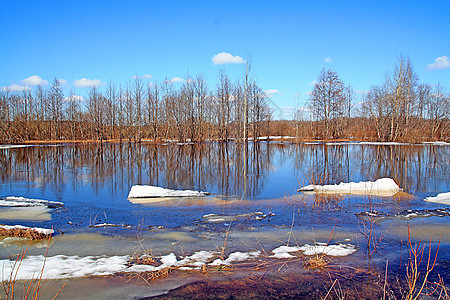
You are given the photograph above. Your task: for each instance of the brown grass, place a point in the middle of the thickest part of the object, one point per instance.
(24, 232)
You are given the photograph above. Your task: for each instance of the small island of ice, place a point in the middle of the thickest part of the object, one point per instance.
(442, 198)
(147, 191)
(381, 187)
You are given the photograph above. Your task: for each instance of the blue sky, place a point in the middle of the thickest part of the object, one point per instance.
(288, 41)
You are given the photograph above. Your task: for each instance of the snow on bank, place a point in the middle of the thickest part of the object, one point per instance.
(14, 146)
(13, 201)
(62, 266)
(236, 256)
(442, 198)
(319, 248)
(381, 187)
(147, 191)
(37, 229)
(437, 143)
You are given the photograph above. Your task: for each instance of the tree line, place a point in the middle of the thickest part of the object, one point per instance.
(398, 109)
(138, 110)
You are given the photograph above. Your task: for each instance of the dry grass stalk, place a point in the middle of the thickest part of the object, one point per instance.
(316, 262)
(417, 283)
(33, 288)
(24, 232)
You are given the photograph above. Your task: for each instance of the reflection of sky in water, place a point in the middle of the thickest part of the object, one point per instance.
(94, 182)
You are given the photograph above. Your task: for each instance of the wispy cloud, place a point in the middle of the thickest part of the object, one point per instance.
(145, 76)
(313, 83)
(84, 83)
(223, 58)
(15, 88)
(328, 60)
(175, 80)
(34, 80)
(271, 92)
(440, 63)
(62, 81)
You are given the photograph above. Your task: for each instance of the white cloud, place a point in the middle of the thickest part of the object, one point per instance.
(175, 80)
(74, 98)
(328, 60)
(34, 80)
(145, 76)
(62, 81)
(83, 82)
(313, 83)
(440, 63)
(226, 58)
(15, 88)
(271, 92)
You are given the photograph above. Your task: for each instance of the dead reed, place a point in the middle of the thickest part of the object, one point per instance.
(29, 233)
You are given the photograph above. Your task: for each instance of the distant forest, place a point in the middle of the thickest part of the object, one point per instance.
(398, 109)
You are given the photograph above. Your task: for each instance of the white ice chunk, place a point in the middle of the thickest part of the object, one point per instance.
(442, 198)
(381, 187)
(147, 191)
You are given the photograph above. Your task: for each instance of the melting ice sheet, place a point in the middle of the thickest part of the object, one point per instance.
(442, 198)
(13, 201)
(147, 191)
(382, 187)
(35, 213)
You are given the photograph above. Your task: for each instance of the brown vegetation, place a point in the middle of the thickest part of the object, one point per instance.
(400, 109)
(29, 233)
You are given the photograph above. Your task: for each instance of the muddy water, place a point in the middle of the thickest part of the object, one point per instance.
(246, 183)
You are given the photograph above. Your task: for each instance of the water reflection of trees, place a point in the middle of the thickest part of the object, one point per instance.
(416, 168)
(230, 169)
(223, 168)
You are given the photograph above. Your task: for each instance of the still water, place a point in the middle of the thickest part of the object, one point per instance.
(259, 179)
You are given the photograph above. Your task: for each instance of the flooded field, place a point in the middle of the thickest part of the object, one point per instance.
(231, 241)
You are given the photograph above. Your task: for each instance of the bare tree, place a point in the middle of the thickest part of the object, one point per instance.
(327, 101)
(56, 108)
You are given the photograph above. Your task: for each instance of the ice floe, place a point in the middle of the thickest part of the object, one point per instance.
(13, 201)
(319, 248)
(442, 198)
(147, 191)
(407, 213)
(215, 218)
(381, 187)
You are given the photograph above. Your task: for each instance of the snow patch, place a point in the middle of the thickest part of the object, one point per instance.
(319, 248)
(147, 191)
(331, 250)
(236, 256)
(381, 187)
(442, 198)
